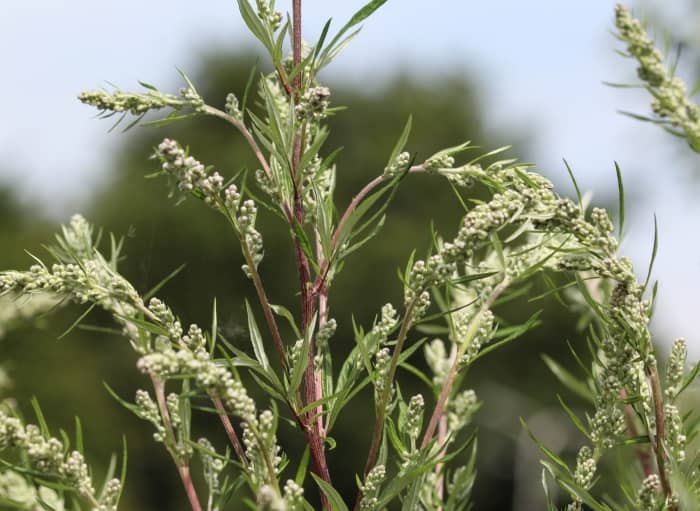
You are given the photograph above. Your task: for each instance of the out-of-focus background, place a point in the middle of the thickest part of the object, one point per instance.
(501, 72)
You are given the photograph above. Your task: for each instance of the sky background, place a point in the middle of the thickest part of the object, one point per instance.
(538, 67)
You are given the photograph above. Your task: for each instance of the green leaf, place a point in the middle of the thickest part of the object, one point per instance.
(401, 142)
(358, 17)
(573, 180)
(40, 417)
(568, 380)
(303, 362)
(621, 200)
(334, 498)
(654, 250)
(122, 476)
(514, 333)
(256, 339)
(79, 435)
(164, 281)
(248, 85)
(254, 24)
(304, 242)
(77, 321)
(556, 459)
(286, 314)
(303, 467)
(574, 418)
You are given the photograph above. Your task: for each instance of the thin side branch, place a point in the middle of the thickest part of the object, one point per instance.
(241, 127)
(183, 467)
(230, 432)
(658, 442)
(449, 381)
(386, 394)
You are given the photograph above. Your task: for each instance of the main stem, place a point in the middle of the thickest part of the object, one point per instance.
(312, 427)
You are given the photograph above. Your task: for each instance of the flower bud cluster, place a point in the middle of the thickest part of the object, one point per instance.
(675, 367)
(463, 176)
(387, 322)
(607, 426)
(261, 448)
(147, 409)
(381, 365)
(15, 312)
(482, 336)
(313, 104)
(274, 96)
(134, 103)
(267, 14)
(398, 165)
(173, 404)
(648, 494)
(190, 175)
(293, 496)
(295, 352)
(232, 107)
(461, 409)
(326, 332)
(438, 360)
(373, 483)
(675, 434)
(245, 221)
(139, 103)
(189, 356)
(585, 468)
(317, 184)
(439, 161)
(48, 456)
(26, 496)
(414, 416)
(670, 97)
(211, 466)
(90, 278)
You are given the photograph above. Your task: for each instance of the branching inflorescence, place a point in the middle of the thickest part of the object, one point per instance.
(417, 451)
(671, 100)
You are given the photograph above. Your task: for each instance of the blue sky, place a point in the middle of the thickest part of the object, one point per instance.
(538, 66)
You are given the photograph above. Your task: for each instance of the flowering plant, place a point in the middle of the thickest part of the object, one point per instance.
(422, 449)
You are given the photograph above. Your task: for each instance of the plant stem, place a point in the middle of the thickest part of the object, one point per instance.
(356, 200)
(449, 381)
(642, 453)
(182, 465)
(440, 479)
(240, 126)
(265, 304)
(312, 427)
(386, 393)
(230, 432)
(658, 442)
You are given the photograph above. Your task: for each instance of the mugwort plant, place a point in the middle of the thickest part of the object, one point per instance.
(422, 450)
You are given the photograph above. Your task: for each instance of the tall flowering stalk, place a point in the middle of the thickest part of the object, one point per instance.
(671, 103)
(422, 450)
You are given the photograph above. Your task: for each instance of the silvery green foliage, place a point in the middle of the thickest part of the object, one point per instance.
(671, 103)
(49, 459)
(423, 449)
